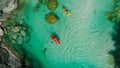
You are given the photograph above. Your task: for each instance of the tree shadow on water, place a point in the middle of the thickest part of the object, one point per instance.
(116, 52)
(29, 61)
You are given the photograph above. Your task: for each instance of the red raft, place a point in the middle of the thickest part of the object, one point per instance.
(55, 39)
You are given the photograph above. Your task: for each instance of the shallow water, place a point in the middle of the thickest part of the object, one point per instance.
(85, 36)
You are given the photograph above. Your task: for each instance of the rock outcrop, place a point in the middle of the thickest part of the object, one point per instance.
(8, 59)
(6, 7)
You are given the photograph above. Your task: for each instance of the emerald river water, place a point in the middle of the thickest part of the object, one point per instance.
(85, 36)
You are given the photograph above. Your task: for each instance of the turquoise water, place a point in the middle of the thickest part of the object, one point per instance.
(85, 36)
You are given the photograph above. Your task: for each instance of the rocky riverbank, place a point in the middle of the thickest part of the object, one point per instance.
(7, 58)
(6, 7)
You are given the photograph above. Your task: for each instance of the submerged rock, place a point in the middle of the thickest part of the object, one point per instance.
(51, 18)
(24, 28)
(26, 38)
(113, 16)
(117, 9)
(23, 33)
(16, 29)
(111, 60)
(14, 36)
(19, 40)
(36, 8)
(52, 4)
(14, 42)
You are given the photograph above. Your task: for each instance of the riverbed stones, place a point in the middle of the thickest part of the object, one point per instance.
(17, 32)
(26, 38)
(19, 40)
(14, 36)
(23, 33)
(24, 28)
(16, 29)
(8, 27)
(13, 41)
